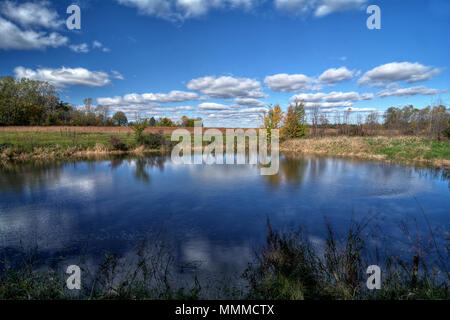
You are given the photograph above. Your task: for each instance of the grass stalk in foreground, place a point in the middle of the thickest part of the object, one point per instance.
(287, 267)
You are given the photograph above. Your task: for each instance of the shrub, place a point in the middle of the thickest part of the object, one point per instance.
(117, 144)
(151, 140)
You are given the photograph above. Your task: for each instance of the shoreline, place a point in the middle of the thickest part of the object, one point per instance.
(401, 149)
(406, 150)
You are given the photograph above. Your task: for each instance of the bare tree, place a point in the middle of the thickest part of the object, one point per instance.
(315, 114)
(372, 122)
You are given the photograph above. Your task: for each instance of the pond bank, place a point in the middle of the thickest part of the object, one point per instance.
(403, 149)
(30, 146)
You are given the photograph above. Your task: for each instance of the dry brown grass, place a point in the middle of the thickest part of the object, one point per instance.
(400, 148)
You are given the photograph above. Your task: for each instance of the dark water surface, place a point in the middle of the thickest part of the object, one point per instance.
(212, 215)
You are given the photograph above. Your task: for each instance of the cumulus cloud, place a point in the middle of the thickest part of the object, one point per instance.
(37, 14)
(325, 7)
(28, 26)
(332, 99)
(215, 114)
(289, 82)
(333, 76)
(249, 102)
(65, 76)
(328, 105)
(179, 10)
(350, 109)
(319, 8)
(14, 38)
(146, 98)
(409, 92)
(172, 96)
(227, 87)
(398, 71)
(115, 101)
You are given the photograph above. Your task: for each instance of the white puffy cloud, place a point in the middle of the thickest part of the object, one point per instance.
(14, 38)
(150, 98)
(179, 10)
(328, 105)
(28, 26)
(227, 87)
(332, 99)
(172, 96)
(386, 74)
(333, 76)
(320, 8)
(110, 101)
(27, 14)
(79, 48)
(230, 116)
(65, 76)
(325, 7)
(249, 102)
(289, 82)
(409, 92)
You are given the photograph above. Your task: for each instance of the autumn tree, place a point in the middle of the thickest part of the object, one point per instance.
(165, 122)
(272, 119)
(295, 122)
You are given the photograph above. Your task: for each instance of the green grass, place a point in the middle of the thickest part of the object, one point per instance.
(83, 140)
(26, 146)
(410, 148)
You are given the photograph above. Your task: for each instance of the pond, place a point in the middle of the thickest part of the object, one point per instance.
(213, 218)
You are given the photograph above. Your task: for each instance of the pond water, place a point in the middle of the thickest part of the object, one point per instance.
(215, 216)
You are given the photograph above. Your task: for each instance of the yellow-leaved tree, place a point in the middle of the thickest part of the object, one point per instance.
(272, 119)
(295, 122)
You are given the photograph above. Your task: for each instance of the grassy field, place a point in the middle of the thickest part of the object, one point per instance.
(400, 148)
(24, 146)
(84, 140)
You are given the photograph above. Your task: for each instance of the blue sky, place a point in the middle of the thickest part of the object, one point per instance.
(225, 61)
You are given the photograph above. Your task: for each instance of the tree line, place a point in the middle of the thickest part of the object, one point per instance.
(433, 121)
(28, 102)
